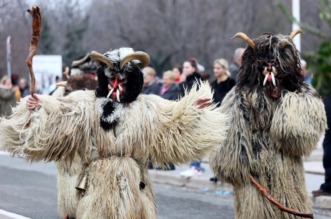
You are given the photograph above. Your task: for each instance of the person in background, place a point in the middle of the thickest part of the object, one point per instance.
(223, 83)
(24, 87)
(306, 75)
(325, 188)
(190, 75)
(177, 70)
(169, 89)
(151, 81)
(235, 67)
(221, 86)
(7, 97)
(14, 81)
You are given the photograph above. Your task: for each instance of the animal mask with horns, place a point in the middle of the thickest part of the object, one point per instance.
(270, 62)
(119, 74)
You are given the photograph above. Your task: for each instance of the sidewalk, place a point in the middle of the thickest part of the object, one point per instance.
(313, 168)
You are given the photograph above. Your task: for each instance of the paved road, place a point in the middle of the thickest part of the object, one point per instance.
(30, 191)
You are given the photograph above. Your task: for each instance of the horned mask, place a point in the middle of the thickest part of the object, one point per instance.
(119, 75)
(270, 62)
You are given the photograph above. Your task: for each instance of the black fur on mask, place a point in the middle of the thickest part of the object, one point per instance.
(133, 85)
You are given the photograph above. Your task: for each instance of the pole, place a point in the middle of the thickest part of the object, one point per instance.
(8, 48)
(295, 25)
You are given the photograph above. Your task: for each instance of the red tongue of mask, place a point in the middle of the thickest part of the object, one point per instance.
(114, 83)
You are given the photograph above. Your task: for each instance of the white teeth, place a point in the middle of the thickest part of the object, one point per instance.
(265, 71)
(265, 79)
(118, 95)
(110, 87)
(111, 91)
(120, 88)
(273, 79)
(274, 70)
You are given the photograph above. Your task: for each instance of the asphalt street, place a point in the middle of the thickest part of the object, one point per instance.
(29, 190)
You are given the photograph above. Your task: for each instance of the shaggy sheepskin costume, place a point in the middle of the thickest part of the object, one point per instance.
(275, 119)
(115, 133)
(81, 78)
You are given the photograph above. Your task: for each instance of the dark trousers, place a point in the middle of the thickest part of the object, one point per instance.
(326, 186)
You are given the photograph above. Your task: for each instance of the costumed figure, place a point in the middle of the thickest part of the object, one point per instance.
(276, 118)
(114, 132)
(82, 77)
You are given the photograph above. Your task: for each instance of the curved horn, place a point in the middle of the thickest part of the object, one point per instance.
(284, 43)
(295, 32)
(245, 38)
(101, 58)
(80, 61)
(141, 56)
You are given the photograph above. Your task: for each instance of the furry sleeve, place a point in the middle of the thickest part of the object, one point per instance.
(299, 121)
(179, 131)
(54, 131)
(231, 161)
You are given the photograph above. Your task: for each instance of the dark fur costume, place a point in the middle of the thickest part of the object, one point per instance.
(272, 128)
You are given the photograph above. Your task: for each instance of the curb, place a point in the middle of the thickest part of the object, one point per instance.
(322, 202)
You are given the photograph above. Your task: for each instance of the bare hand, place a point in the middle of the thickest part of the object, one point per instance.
(33, 102)
(202, 102)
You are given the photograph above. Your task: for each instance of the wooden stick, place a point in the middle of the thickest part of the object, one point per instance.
(275, 202)
(36, 24)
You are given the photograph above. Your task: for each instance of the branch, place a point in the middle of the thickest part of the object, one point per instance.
(36, 24)
(275, 202)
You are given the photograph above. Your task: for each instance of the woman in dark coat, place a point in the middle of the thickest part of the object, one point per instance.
(223, 83)
(190, 75)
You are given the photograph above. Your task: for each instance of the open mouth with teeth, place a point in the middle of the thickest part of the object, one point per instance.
(269, 75)
(115, 89)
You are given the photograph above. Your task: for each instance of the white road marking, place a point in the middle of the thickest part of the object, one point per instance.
(4, 153)
(9, 215)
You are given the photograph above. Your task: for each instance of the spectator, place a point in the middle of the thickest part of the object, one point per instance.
(190, 75)
(235, 67)
(169, 90)
(325, 188)
(151, 81)
(23, 86)
(14, 82)
(221, 86)
(177, 70)
(223, 83)
(305, 73)
(7, 97)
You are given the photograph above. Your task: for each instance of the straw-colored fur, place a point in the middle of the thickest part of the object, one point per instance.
(267, 139)
(118, 180)
(67, 177)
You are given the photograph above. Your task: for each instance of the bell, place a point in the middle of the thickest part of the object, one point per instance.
(82, 183)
